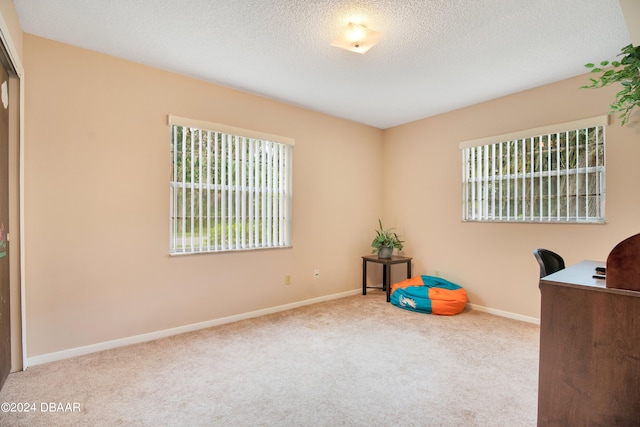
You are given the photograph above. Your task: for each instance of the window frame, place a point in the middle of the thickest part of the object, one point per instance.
(489, 182)
(246, 180)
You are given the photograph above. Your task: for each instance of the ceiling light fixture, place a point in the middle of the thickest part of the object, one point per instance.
(357, 38)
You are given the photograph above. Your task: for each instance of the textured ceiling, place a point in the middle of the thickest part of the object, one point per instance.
(435, 55)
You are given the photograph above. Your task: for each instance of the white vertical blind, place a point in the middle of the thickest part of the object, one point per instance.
(537, 177)
(229, 191)
(509, 181)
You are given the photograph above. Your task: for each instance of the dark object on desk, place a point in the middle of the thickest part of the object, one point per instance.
(623, 265)
(549, 261)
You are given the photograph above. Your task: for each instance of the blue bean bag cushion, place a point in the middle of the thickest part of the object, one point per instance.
(429, 294)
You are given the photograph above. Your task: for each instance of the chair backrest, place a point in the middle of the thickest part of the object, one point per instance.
(549, 261)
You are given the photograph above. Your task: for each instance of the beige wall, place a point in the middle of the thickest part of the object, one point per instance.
(10, 18)
(631, 11)
(494, 262)
(97, 202)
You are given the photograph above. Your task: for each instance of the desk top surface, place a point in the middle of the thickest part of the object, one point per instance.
(580, 275)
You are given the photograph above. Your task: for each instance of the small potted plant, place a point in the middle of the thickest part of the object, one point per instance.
(385, 241)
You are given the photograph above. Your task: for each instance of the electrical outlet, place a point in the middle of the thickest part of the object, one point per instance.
(287, 279)
(437, 273)
(316, 274)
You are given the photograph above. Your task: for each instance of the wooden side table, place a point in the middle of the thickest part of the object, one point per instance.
(386, 270)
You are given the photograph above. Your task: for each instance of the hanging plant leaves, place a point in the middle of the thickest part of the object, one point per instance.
(626, 72)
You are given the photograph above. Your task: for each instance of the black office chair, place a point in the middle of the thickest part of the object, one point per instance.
(549, 261)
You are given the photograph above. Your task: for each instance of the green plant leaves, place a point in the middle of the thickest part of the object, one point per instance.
(627, 73)
(386, 238)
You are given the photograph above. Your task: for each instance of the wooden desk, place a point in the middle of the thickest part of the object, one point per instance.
(589, 351)
(386, 270)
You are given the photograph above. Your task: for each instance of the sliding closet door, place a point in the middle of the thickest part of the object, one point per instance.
(5, 324)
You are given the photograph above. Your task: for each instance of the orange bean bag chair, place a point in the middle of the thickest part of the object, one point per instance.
(429, 294)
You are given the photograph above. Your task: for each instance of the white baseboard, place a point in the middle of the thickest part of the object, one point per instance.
(107, 345)
(508, 314)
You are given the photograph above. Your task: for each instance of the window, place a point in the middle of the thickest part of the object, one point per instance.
(550, 174)
(230, 188)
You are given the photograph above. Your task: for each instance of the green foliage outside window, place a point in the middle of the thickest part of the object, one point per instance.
(555, 175)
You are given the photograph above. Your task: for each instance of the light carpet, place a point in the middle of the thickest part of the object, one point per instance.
(355, 361)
